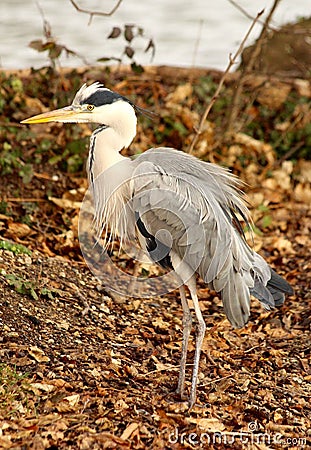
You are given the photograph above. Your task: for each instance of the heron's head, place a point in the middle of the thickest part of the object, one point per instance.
(93, 104)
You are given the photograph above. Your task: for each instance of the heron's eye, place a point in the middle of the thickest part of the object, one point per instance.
(90, 107)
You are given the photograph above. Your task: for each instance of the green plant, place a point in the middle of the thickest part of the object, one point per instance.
(10, 159)
(13, 391)
(45, 292)
(266, 218)
(22, 286)
(17, 249)
(71, 159)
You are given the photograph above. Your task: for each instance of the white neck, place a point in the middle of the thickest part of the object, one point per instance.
(107, 141)
(104, 151)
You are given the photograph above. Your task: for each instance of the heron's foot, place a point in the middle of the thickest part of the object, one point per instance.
(180, 392)
(176, 403)
(190, 400)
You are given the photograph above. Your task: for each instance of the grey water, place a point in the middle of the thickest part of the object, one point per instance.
(196, 33)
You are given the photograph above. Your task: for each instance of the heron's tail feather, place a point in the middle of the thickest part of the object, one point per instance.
(273, 294)
(236, 300)
(278, 285)
(235, 295)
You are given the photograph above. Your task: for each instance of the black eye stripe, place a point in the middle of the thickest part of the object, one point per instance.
(102, 97)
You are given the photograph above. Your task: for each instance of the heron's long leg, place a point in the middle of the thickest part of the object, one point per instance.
(186, 322)
(199, 338)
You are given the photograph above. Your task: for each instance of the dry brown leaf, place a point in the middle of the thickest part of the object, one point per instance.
(256, 145)
(5, 442)
(256, 198)
(65, 203)
(95, 373)
(277, 417)
(303, 87)
(42, 387)
(66, 239)
(303, 239)
(75, 225)
(189, 118)
(129, 430)
(206, 141)
(38, 354)
(120, 405)
(274, 196)
(304, 168)
(20, 230)
(211, 424)
(302, 193)
(251, 174)
(40, 443)
(73, 400)
(162, 367)
(179, 95)
(283, 126)
(58, 382)
(62, 324)
(160, 323)
(273, 96)
(34, 106)
(283, 245)
(281, 178)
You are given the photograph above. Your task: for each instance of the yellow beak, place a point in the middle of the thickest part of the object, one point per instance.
(67, 114)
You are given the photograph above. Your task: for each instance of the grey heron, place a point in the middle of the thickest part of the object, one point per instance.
(197, 204)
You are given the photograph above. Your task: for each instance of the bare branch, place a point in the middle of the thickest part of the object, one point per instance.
(95, 13)
(242, 10)
(232, 60)
(246, 14)
(249, 66)
(197, 42)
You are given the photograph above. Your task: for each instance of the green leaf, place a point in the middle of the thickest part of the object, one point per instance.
(33, 293)
(47, 293)
(55, 159)
(266, 221)
(14, 248)
(26, 172)
(137, 68)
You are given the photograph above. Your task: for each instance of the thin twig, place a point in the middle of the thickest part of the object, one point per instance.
(25, 200)
(246, 14)
(96, 13)
(289, 129)
(249, 66)
(289, 154)
(197, 42)
(271, 28)
(11, 124)
(232, 61)
(218, 379)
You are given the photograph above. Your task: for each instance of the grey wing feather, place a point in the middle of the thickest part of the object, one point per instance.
(197, 203)
(192, 200)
